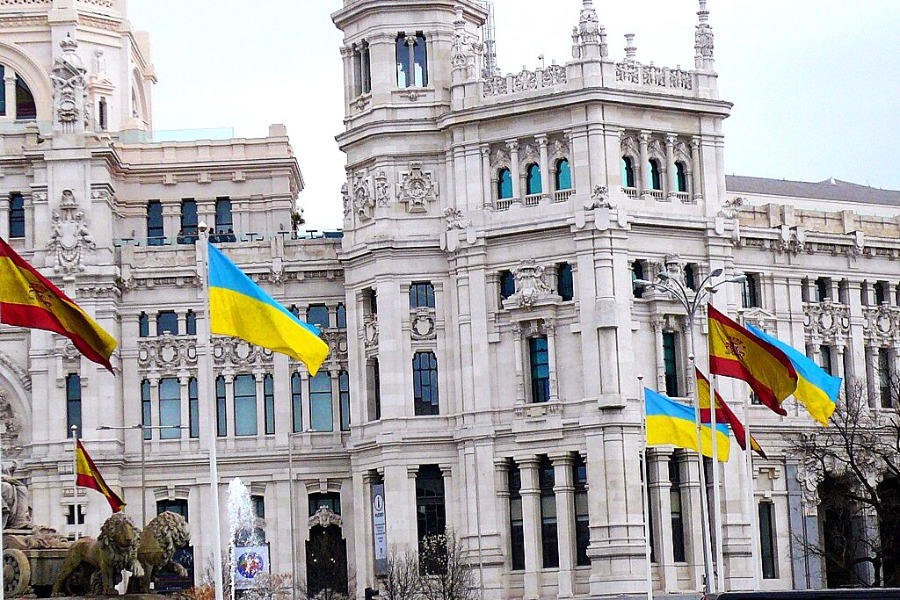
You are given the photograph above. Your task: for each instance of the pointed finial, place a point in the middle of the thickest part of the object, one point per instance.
(630, 48)
(704, 57)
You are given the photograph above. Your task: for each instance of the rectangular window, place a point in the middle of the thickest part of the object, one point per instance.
(193, 408)
(690, 276)
(190, 322)
(296, 402)
(670, 358)
(146, 409)
(507, 285)
(372, 297)
(582, 516)
(341, 316)
(366, 68)
(430, 508)
(884, 377)
(329, 500)
(73, 404)
(823, 289)
(269, 403)
(102, 111)
(188, 232)
(221, 408)
(258, 502)
(3, 100)
(421, 295)
(179, 507)
(881, 292)
(637, 274)
(344, 387)
(565, 284)
(155, 231)
(143, 325)
(245, 405)
(652, 504)
(72, 511)
(317, 314)
(516, 521)
(321, 414)
(825, 359)
(412, 68)
(539, 361)
(375, 382)
(169, 407)
(549, 534)
(224, 220)
(678, 552)
(767, 540)
(166, 322)
(16, 215)
(425, 384)
(750, 291)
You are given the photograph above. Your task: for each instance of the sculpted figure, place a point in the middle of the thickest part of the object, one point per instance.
(16, 510)
(160, 539)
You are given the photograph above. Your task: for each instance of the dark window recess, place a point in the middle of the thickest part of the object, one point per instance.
(344, 387)
(549, 533)
(329, 500)
(75, 512)
(224, 221)
(681, 177)
(670, 357)
(269, 403)
(412, 63)
(193, 408)
(143, 325)
(750, 291)
(539, 361)
(155, 231)
(627, 172)
(102, 112)
(884, 377)
(372, 298)
(565, 285)
(655, 175)
(16, 215)
(507, 284)
(504, 184)
(516, 521)
(189, 223)
(317, 314)
(637, 273)
(430, 508)
(690, 277)
(767, 540)
(190, 323)
(221, 408)
(296, 403)
(582, 528)
(166, 322)
(258, 501)
(823, 289)
(179, 507)
(425, 384)
(26, 109)
(421, 295)
(341, 316)
(73, 404)
(563, 175)
(678, 551)
(375, 382)
(146, 409)
(533, 183)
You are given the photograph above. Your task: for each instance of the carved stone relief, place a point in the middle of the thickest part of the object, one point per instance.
(422, 326)
(363, 203)
(70, 236)
(325, 517)
(69, 88)
(381, 189)
(236, 353)
(12, 447)
(417, 188)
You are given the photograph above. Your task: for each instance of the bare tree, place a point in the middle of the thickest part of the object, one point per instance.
(859, 457)
(447, 574)
(328, 574)
(403, 580)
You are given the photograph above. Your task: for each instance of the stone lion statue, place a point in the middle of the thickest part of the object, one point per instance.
(114, 550)
(160, 539)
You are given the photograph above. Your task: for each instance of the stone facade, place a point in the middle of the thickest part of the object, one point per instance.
(486, 336)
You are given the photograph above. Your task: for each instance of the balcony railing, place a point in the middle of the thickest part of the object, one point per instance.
(630, 192)
(189, 238)
(533, 199)
(562, 195)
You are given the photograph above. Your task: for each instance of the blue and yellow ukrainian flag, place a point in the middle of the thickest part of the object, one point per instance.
(671, 423)
(240, 308)
(816, 389)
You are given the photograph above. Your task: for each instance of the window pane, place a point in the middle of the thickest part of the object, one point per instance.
(296, 402)
(155, 231)
(245, 405)
(188, 232)
(146, 409)
(403, 70)
(671, 363)
(627, 172)
(169, 407)
(3, 96)
(143, 325)
(421, 295)
(25, 106)
(540, 369)
(563, 175)
(224, 220)
(193, 408)
(533, 180)
(344, 382)
(767, 540)
(16, 215)
(317, 314)
(269, 403)
(504, 184)
(73, 404)
(221, 404)
(167, 322)
(320, 411)
(507, 284)
(421, 61)
(430, 507)
(681, 177)
(565, 286)
(341, 316)
(425, 384)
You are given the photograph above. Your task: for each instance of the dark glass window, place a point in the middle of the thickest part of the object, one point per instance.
(563, 175)
(881, 292)
(884, 377)
(221, 404)
(767, 540)
(430, 509)
(549, 534)
(25, 106)
(189, 228)
(421, 295)
(507, 284)
(102, 110)
(645, 479)
(16, 215)
(373, 301)
(269, 403)
(582, 526)
(245, 405)
(533, 183)
(825, 359)
(166, 322)
(143, 325)
(637, 272)
(179, 507)
(412, 63)
(3, 100)
(330, 500)
(224, 220)
(823, 289)
(190, 322)
(193, 408)
(317, 314)
(539, 360)
(516, 520)
(155, 230)
(504, 184)
(344, 387)
(670, 357)
(655, 175)
(321, 414)
(376, 388)
(425, 384)
(71, 511)
(169, 407)
(677, 513)
(366, 68)
(297, 402)
(258, 501)
(565, 286)
(627, 172)
(146, 409)
(680, 177)
(341, 316)
(73, 404)
(750, 291)
(690, 277)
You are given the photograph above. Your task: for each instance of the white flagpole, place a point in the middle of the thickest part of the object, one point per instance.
(645, 480)
(717, 500)
(751, 498)
(77, 506)
(2, 516)
(203, 255)
(710, 582)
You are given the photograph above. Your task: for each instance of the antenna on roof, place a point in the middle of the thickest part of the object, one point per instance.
(490, 42)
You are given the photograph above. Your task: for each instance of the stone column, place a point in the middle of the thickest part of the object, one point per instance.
(9, 80)
(545, 165)
(229, 404)
(154, 403)
(564, 489)
(520, 367)
(661, 509)
(643, 170)
(696, 171)
(501, 481)
(487, 195)
(671, 175)
(691, 513)
(4, 217)
(531, 519)
(513, 147)
(550, 328)
(658, 324)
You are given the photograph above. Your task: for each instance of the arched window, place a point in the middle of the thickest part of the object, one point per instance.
(25, 106)
(627, 172)
(533, 181)
(681, 177)
(504, 184)
(563, 175)
(655, 175)
(412, 63)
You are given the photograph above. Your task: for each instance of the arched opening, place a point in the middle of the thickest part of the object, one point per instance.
(627, 172)
(504, 184)
(681, 177)
(563, 175)
(533, 184)
(844, 549)
(889, 530)
(326, 562)
(655, 175)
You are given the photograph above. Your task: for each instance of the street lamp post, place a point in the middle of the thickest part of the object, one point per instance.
(291, 437)
(691, 301)
(142, 428)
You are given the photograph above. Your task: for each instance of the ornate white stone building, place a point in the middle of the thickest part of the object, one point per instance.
(486, 334)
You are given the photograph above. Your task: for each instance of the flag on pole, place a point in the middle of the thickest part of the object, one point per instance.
(671, 423)
(87, 475)
(735, 352)
(240, 308)
(816, 389)
(723, 415)
(28, 299)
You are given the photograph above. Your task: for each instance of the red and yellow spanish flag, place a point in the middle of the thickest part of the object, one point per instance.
(28, 299)
(87, 475)
(723, 415)
(735, 352)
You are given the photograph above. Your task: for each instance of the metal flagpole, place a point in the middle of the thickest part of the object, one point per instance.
(203, 254)
(717, 499)
(2, 516)
(755, 551)
(645, 479)
(77, 506)
(709, 580)
(293, 518)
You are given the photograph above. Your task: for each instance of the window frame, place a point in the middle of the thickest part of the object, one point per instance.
(563, 178)
(534, 184)
(317, 401)
(539, 369)
(16, 215)
(421, 295)
(516, 517)
(628, 174)
(74, 408)
(426, 387)
(169, 408)
(505, 188)
(156, 226)
(549, 523)
(245, 404)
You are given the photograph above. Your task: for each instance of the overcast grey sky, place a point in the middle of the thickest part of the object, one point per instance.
(815, 82)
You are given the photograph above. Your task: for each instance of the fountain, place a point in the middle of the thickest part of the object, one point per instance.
(247, 556)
